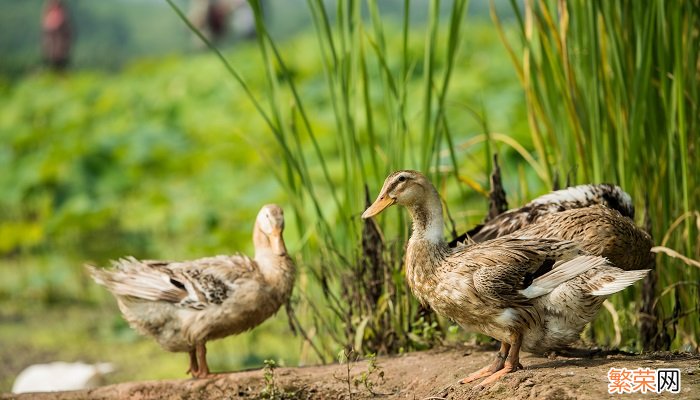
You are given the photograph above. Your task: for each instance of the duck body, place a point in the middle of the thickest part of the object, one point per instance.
(578, 197)
(183, 305)
(474, 286)
(601, 231)
(569, 307)
(512, 288)
(200, 300)
(598, 230)
(477, 286)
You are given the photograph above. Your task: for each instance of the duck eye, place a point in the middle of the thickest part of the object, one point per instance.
(402, 178)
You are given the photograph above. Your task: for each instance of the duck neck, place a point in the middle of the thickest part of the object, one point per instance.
(426, 248)
(277, 269)
(427, 222)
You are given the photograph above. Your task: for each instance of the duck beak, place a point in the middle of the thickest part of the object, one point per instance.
(277, 243)
(378, 206)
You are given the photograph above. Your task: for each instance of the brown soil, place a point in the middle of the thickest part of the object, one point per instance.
(422, 375)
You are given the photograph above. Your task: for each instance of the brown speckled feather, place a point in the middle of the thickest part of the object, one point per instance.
(576, 197)
(504, 266)
(601, 231)
(484, 286)
(194, 284)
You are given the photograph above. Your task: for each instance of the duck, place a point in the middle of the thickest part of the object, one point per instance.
(503, 287)
(599, 230)
(61, 376)
(578, 197)
(185, 304)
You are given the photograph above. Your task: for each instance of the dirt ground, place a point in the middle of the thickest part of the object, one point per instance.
(422, 375)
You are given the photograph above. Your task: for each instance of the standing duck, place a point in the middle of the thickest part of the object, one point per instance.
(183, 305)
(500, 287)
(572, 198)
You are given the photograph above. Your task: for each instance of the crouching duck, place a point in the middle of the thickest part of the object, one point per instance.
(183, 305)
(503, 287)
(581, 197)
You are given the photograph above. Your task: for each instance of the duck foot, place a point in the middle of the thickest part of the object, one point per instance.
(492, 368)
(502, 365)
(194, 367)
(507, 368)
(201, 360)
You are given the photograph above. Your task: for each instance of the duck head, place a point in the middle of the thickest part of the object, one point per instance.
(269, 226)
(407, 188)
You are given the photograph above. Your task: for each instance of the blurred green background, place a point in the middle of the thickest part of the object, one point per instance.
(145, 146)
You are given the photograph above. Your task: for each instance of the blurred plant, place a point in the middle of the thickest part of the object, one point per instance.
(270, 391)
(425, 334)
(371, 377)
(347, 356)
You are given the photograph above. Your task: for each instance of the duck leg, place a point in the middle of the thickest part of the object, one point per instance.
(203, 371)
(194, 366)
(512, 363)
(492, 368)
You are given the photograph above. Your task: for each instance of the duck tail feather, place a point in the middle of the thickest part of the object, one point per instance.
(621, 281)
(566, 271)
(136, 281)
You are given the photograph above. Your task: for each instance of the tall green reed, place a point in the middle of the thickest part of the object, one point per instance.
(612, 93)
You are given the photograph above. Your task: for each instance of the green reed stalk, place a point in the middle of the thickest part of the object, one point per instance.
(612, 91)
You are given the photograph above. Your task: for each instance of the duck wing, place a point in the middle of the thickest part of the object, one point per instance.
(601, 231)
(195, 284)
(512, 270)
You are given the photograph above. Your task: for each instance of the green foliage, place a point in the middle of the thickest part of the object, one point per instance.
(372, 376)
(425, 334)
(271, 391)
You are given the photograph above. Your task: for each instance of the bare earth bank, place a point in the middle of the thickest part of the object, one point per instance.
(422, 375)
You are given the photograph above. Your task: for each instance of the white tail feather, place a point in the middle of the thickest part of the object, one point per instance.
(143, 283)
(570, 269)
(621, 281)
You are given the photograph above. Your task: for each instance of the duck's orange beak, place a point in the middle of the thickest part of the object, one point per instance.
(277, 243)
(378, 206)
